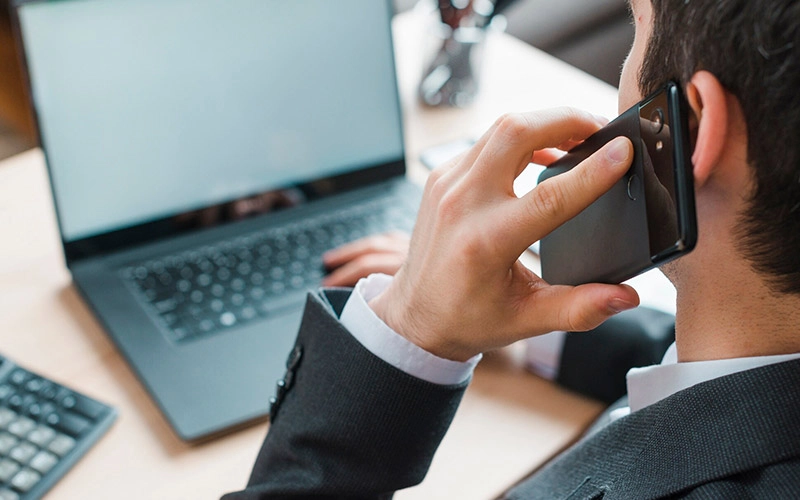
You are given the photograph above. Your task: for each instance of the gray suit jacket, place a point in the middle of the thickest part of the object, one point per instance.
(348, 425)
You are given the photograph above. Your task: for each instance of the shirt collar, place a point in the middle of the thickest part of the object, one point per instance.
(651, 384)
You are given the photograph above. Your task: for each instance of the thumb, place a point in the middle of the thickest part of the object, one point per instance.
(580, 308)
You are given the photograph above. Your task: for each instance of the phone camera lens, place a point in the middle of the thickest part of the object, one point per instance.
(657, 120)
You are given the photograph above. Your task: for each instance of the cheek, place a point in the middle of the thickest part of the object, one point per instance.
(625, 99)
(628, 84)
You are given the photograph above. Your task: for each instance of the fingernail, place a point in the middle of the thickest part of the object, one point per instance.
(619, 150)
(618, 305)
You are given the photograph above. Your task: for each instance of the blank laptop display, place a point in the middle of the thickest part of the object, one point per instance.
(173, 131)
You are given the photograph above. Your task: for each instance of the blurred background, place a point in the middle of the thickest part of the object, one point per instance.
(591, 35)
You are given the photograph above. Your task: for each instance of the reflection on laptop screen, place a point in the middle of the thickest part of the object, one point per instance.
(149, 108)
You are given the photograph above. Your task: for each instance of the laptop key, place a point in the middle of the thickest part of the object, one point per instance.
(288, 300)
(227, 319)
(165, 306)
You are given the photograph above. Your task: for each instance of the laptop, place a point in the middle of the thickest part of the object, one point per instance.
(203, 154)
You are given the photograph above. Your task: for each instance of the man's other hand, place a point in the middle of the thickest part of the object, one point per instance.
(462, 290)
(382, 253)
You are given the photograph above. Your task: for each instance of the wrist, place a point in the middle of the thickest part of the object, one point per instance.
(406, 320)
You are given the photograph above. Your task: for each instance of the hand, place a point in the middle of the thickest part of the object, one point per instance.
(462, 290)
(383, 253)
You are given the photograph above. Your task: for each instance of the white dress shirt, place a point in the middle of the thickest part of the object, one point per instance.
(392, 347)
(646, 385)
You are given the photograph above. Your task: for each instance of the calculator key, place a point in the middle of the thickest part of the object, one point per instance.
(43, 462)
(25, 480)
(34, 384)
(21, 427)
(47, 409)
(48, 390)
(18, 377)
(41, 435)
(27, 401)
(35, 411)
(8, 495)
(7, 442)
(7, 469)
(61, 445)
(23, 452)
(88, 407)
(33, 454)
(6, 417)
(68, 401)
(65, 398)
(68, 423)
(15, 401)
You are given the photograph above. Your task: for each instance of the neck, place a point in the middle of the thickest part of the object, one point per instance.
(728, 311)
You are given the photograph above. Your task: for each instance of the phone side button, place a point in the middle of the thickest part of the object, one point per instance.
(634, 187)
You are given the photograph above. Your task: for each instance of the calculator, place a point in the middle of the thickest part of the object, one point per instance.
(45, 428)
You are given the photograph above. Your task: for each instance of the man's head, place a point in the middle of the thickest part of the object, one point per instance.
(752, 48)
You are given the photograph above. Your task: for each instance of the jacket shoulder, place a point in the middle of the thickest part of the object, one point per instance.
(779, 480)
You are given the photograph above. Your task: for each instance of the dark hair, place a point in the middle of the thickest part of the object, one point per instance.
(753, 48)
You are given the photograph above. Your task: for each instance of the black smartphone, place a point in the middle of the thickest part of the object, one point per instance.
(648, 217)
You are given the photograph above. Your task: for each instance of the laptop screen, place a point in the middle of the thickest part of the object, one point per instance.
(152, 108)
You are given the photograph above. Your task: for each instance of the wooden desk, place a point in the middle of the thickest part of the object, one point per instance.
(510, 421)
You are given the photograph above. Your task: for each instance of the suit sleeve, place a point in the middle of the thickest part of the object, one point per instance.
(344, 422)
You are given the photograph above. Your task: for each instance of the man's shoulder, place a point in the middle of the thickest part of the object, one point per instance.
(730, 430)
(777, 480)
(722, 434)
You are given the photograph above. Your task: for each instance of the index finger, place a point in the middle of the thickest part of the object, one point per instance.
(516, 137)
(558, 199)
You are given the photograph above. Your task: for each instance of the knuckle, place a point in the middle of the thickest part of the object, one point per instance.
(435, 186)
(573, 115)
(570, 113)
(436, 174)
(396, 234)
(472, 248)
(372, 243)
(577, 320)
(512, 126)
(548, 201)
(433, 178)
(368, 262)
(449, 207)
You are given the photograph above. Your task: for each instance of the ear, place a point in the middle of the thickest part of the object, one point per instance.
(708, 100)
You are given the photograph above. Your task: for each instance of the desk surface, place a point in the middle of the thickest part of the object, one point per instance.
(509, 422)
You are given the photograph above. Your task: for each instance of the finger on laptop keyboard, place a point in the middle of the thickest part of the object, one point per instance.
(393, 242)
(364, 265)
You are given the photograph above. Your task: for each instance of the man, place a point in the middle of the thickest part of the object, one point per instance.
(362, 409)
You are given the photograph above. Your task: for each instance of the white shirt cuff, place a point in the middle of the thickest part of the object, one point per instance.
(385, 343)
(543, 354)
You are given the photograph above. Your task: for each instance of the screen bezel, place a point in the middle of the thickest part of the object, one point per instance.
(154, 230)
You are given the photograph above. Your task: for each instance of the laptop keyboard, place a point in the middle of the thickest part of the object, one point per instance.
(224, 285)
(45, 428)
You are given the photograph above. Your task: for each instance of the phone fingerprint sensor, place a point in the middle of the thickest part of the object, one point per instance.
(634, 187)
